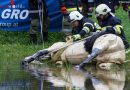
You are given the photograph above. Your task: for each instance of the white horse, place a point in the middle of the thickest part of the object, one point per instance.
(107, 49)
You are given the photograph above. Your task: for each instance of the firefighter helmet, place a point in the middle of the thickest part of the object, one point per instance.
(75, 15)
(102, 9)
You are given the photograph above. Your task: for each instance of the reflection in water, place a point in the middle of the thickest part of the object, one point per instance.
(113, 79)
(70, 79)
(17, 80)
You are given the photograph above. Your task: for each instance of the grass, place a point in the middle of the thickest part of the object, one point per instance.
(126, 24)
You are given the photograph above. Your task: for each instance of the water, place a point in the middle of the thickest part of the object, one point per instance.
(44, 77)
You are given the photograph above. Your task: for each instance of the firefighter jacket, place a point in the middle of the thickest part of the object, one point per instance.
(113, 25)
(86, 26)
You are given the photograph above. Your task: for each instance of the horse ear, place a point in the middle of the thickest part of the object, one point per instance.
(69, 39)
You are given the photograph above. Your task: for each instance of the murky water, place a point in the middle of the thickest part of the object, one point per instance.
(43, 77)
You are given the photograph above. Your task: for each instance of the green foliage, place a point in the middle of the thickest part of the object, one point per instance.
(11, 56)
(125, 21)
(7, 37)
(54, 37)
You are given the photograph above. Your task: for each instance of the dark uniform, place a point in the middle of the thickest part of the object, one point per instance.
(113, 25)
(86, 26)
(110, 3)
(109, 25)
(34, 16)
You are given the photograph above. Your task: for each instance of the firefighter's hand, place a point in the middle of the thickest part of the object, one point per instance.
(77, 37)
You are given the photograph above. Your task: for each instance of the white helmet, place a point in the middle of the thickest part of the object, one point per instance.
(75, 15)
(102, 9)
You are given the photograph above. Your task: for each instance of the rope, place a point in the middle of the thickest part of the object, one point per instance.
(68, 44)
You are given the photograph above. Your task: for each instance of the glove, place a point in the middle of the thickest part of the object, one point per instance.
(77, 37)
(98, 31)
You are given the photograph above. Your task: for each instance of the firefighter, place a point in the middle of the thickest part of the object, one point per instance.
(110, 23)
(82, 25)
